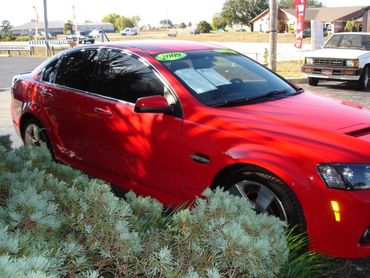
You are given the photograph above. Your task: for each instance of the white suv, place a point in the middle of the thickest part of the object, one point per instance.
(345, 56)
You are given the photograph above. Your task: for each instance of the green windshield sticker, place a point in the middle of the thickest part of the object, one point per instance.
(171, 56)
(226, 51)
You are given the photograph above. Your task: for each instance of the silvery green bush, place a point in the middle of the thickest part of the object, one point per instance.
(56, 221)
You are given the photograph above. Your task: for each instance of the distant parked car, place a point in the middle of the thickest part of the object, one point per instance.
(307, 33)
(345, 56)
(82, 37)
(94, 33)
(130, 32)
(194, 32)
(241, 30)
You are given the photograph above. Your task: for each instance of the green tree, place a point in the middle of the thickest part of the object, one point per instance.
(242, 11)
(68, 27)
(289, 4)
(5, 29)
(166, 23)
(120, 22)
(112, 18)
(218, 22)
(351, 26)
(204, 27)
(182, 25)
(135, 20)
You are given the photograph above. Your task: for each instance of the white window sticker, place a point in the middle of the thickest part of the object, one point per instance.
(214, 77)
(195, 80)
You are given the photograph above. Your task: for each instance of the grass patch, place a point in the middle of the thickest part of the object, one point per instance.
(289, 68)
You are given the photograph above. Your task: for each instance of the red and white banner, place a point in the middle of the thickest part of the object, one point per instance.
(300, 9)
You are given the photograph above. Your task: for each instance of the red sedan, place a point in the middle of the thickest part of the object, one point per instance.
(169, 119)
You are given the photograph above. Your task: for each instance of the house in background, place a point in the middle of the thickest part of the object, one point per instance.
(57, 27)
(333, 19)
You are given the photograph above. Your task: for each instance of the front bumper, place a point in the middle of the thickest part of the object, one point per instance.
(322, 72)
(343, 238)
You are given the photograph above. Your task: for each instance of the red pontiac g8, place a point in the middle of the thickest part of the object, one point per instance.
(168, 119)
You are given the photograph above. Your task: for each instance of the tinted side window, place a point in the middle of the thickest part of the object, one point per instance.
(126, 78)
(77, 70)
(50, 71)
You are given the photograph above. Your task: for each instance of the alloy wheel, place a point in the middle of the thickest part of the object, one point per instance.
(34, 136)
(261, 198)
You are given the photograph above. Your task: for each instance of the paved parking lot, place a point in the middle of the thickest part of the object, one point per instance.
(340, 90)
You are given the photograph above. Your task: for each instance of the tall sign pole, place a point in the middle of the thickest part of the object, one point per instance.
(37, 22)
(46, 28)
(273, 34)
(300, 9)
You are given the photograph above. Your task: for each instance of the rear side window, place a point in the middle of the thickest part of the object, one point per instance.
(77, 70)
(126, 78)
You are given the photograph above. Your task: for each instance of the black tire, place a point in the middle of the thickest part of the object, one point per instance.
(249, 183)
(34, 134)
(312, 81)
(363, 83)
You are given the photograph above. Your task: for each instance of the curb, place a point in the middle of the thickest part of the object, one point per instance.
(297, 80)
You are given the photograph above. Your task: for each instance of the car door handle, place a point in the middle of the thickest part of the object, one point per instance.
(102, 111)
(46, 93)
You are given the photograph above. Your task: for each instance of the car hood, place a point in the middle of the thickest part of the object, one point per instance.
(337, 53)
(306, 119)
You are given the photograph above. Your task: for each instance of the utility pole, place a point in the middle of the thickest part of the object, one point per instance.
(37, 22)
(273, 34)
(46, 28)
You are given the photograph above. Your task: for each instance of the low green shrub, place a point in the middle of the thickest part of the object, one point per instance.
(56, 221)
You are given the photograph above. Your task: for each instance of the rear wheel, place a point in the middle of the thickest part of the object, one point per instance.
(363, 83)
(34, 134)
(312, 81)
(268, 195)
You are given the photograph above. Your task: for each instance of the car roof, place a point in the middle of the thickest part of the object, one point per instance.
(154, 47)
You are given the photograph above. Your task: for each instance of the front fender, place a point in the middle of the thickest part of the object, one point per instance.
(300, 175)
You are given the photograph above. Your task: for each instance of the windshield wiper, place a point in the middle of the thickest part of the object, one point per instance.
(241, 101)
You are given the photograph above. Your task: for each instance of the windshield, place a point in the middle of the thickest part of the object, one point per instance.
(224, 77)
(350, 41)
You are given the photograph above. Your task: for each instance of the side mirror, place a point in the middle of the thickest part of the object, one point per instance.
(153, 104)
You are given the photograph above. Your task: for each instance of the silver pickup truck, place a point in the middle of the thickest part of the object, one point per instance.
(345, 56)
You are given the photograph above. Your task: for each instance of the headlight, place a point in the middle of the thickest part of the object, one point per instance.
(346, 176)
(352, 63)
(309, 61)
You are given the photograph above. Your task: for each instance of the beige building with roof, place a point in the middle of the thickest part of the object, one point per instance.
(333, 19)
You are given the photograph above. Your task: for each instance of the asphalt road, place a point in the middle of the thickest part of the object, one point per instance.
(340, 90)
(10, 66)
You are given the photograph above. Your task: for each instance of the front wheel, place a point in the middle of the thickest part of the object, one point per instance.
(363, 83)
(312, 81)
(268, 195)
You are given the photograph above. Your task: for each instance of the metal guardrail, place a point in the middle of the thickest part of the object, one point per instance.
(16, 47)
(51, 42)
(30, 45)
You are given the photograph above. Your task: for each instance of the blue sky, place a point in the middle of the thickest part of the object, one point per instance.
(150, 11)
